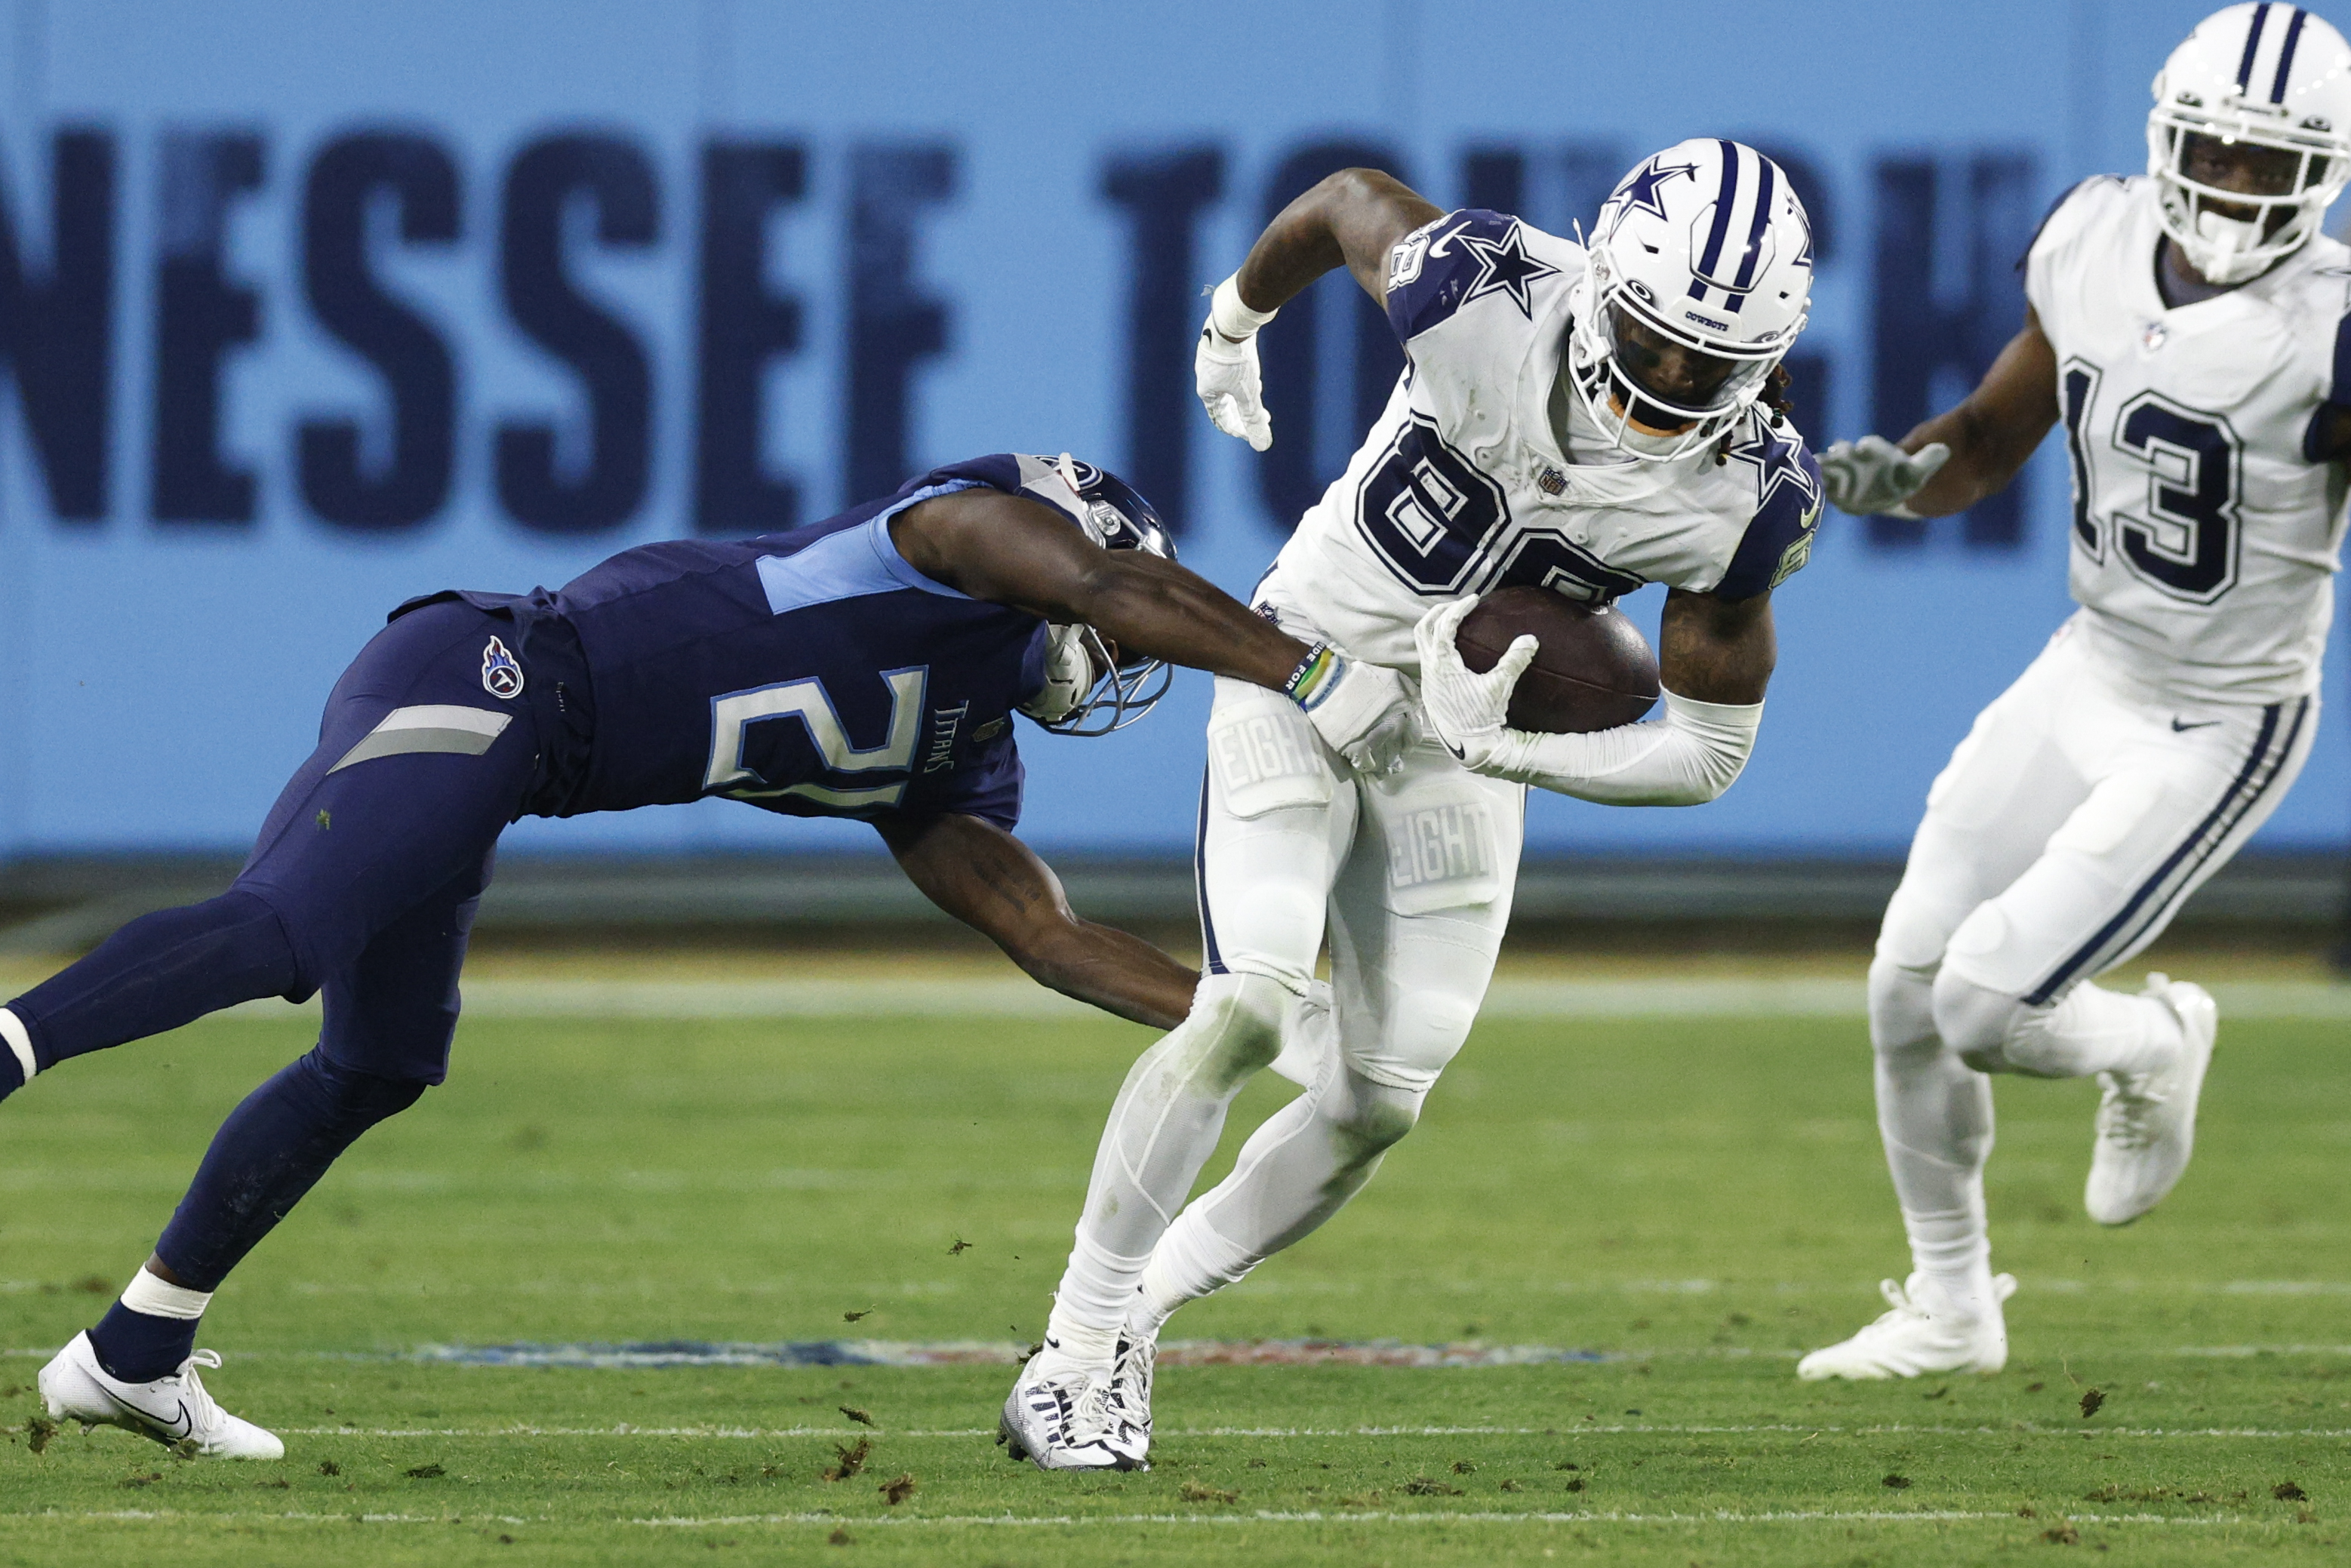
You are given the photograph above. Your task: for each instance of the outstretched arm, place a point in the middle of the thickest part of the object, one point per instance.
(1010, 549)
(1994, 432)
(1715, 660)
(996, 885)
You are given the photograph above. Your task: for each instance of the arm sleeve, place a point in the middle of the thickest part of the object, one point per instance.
(1430, 272)
(1686, 758)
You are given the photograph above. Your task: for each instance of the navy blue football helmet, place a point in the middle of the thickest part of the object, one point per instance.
(1091, 687)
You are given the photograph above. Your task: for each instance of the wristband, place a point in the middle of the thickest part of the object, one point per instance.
(1231, 318)
(1316, 675)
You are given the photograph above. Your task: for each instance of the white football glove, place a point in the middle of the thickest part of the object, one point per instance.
(1226, 372)
(1469, 712)
(1873, 476)
(1362, 711)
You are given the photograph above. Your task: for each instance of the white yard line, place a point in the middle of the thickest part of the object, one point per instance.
(1010, 997)
(1070, 1520)
(1896, 1428)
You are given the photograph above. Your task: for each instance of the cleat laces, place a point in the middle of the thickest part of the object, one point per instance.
(2129, 1114)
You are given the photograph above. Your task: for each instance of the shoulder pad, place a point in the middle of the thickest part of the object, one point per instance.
(1450, 261)
(1779, 537)
(2065, 199)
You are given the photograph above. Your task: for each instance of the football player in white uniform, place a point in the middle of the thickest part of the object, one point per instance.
(2189, 330)
(1583, 419)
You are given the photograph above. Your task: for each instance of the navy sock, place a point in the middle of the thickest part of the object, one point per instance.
(160, 971)
(138, 1348)
(272, 1149)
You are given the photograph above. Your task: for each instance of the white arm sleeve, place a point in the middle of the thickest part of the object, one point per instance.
(1685, 758)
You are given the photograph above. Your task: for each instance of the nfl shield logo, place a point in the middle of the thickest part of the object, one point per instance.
(501, 673)
(1552, 482)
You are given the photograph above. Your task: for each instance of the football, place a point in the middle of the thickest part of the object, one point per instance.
(1594, 670)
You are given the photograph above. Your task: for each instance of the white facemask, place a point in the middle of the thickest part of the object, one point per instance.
(2219, 246)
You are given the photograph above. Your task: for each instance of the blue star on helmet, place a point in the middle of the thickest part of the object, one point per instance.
(1781, 462)
(1640, 187)
(1505, 267)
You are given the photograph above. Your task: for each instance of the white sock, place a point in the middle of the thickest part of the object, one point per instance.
(1935, 1115)
(19, 1043)
(1190, 1261)
(1096, 1290)
(156, 1297)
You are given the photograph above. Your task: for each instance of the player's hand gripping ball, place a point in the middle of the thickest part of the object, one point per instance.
(1528, 659)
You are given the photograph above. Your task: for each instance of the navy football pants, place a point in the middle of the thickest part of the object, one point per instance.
(363, 887)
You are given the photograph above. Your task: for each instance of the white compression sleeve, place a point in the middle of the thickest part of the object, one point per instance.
(1685, 758)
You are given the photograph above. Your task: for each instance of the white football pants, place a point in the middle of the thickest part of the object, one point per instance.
(2066, 831)
(1411, 875)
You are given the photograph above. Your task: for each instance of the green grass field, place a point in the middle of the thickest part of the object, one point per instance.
(1697, 1199)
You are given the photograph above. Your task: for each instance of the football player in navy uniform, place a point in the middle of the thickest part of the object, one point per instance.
(867, 666)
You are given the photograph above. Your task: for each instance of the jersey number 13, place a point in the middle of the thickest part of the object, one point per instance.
(2185, 545)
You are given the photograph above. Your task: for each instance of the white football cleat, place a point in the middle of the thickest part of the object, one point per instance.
(1058, 1416)
(172, 1410)
(1129, 1433)
(2146, 1122)
(1917, 1338)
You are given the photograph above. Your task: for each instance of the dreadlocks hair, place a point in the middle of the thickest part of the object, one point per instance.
(1774, 397)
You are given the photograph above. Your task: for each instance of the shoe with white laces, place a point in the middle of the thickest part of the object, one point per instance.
(1058, 1416)
(1129, 1433)
(2146, 1121)
(172, 1410)
(1921, 1334)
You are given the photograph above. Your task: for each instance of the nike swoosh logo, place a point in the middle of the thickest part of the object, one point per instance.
(2180, 729)
(1458, 755)
(180, 1426)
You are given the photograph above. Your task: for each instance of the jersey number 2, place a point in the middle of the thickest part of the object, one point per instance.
(2186, 545)
(807, 701)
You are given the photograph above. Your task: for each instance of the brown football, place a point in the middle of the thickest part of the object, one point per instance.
(1593, 670)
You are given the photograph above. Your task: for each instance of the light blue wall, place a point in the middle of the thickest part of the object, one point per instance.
(157, 682)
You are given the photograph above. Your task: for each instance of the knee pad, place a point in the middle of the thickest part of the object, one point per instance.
(1420, 1035)
(1901, 1007)
(347, 1099)
(1366, 1117)
(1235, 1027)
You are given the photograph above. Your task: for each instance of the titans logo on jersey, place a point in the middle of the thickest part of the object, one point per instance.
(1464, 484)
(2205, 536)
(813, 673)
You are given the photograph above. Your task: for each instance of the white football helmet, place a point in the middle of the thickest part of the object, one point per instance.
(1701, 277)
(2269, 76)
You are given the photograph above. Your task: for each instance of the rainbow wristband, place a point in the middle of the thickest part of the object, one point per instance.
(1315, 677)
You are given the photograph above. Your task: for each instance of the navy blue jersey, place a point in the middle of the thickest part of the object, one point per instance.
(813, 672)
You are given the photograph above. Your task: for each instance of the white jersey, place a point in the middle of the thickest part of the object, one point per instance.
(1462, 486)
(2206, 537)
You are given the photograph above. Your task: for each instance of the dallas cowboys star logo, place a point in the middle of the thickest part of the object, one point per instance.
(1783, 463)
(1505, 267)
(1640, 188)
